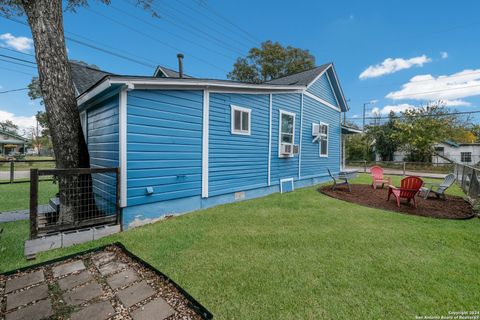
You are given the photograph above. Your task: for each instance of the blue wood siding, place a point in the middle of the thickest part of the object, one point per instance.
(237, 162)
(322, 89)
(284, 167)
(102, 137)
(311, 162)
(164, 145)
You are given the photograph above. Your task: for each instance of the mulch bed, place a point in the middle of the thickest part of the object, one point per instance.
(453, 208)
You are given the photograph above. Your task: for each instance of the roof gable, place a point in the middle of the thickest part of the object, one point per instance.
(322, 88)
(309, 78)
(164, 72)
(84, 77)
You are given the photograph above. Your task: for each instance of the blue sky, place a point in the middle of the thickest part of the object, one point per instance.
(396, 54)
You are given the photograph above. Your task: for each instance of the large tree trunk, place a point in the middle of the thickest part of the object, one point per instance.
(46, 22)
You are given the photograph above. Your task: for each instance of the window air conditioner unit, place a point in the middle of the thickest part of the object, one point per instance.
(315, 129)
(295, 149)
(286, 149)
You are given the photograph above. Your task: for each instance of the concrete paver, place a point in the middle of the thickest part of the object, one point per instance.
(24, 281)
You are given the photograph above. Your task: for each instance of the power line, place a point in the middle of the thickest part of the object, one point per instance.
(17, 51)
(18, 71)
(420, 115)
(153, 25)
(18, 59)
(233, 24)
(167, 17)
(17, 63)
(254, 41)
(152, 37)
(89, 45)
(425, 80)
(434, 91)
(13, 90)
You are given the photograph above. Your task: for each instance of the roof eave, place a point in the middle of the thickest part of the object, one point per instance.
(153, 83)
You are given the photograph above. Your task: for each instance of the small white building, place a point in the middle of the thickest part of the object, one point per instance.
(465, 153)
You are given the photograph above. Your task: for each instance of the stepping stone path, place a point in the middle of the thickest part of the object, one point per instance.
(105, 285)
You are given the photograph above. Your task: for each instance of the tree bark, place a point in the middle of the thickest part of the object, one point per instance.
(45, 18)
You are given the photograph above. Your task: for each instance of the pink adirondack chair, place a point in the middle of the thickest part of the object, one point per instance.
(409, 188)
(377, 177)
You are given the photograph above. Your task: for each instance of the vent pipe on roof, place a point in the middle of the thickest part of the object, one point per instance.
(180, 65)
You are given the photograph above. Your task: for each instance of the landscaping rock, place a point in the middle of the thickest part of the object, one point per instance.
(111, 267)
(24, 281)
(67, 268)
(121, 279)
(103, 258)
(98, 311)
(74, 280)
(135, 293)
(83, 294)
(23, 297)
(37, 311)
(155, 309)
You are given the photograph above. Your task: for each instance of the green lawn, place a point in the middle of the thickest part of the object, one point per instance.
(16, 196)
(303, 255)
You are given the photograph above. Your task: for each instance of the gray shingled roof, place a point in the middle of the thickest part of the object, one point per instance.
(84, 77)
(170, 73)
(302, 78)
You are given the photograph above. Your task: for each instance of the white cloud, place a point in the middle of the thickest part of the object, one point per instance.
(449, 88)
(444, 54)
(22, 122)
(23, 44)
(456, 103)
(389, 108)
(390, 65)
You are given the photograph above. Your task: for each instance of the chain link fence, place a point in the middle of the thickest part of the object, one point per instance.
(468, 180)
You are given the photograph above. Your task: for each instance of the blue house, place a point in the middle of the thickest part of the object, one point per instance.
(185, 143)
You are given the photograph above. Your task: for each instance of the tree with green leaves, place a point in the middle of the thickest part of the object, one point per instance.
(45, 18)
(421, 128)
(271, 61)
(385, 137)
(9, 127)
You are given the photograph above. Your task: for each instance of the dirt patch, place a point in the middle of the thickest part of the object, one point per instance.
(452, 208)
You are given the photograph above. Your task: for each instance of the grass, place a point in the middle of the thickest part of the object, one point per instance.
(302, 255)
(16, 196)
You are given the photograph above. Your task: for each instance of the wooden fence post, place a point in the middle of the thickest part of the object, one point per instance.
(12, 171)
(33, 202)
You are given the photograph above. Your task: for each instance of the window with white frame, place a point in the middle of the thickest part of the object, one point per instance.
(286, 130)
(240, 122)
(324, 131)
(466, 157)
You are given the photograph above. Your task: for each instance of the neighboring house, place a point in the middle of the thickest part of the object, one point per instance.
(465, 153)
(186, 143)
(12, 144)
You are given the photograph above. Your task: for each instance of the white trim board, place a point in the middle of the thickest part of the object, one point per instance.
(318, 77)
(300, 143)
(333, 91)
(122, 137)
(314, 97)
(205, 133)
(270, 139)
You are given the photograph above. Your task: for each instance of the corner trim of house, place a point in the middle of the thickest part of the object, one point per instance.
(122, 136)
(205, 133)
(270, 140)
(300, 143)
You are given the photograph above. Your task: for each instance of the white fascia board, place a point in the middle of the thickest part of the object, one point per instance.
(269, 140)
(202, 84)
(314, 97)
(340, 88)
(105, 84)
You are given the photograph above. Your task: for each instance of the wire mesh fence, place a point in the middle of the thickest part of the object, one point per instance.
(468, 179)
(402, 167)
(87, 197)
(18, 171)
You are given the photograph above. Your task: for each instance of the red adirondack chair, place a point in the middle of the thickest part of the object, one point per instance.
(410, 186)
(377, 177)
